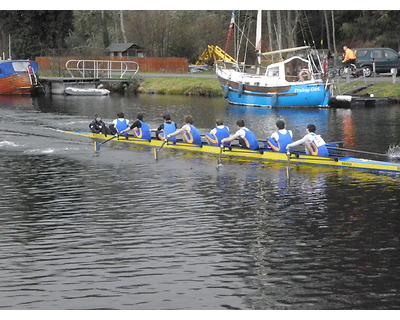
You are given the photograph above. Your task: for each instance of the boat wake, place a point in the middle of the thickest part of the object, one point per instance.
(38, 151)
(394, 151)
(50, 150)
(7, 144)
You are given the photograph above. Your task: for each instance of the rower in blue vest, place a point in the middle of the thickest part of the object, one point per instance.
(217, 134)
(189, 131)
(279, 139)
(140, 128)
(166, 128)
(247, 139)
(119, 124)
(313, 143)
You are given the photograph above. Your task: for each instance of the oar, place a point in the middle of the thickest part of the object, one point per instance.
(334, 144)
(219, 156)
(288, 159)
(97, 144)
(157, 151)
(288, 167)
(359, 151)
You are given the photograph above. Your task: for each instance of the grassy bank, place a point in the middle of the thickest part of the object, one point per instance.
(181, 86)
(378, 89)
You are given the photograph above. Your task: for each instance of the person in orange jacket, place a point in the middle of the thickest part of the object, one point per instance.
(349, 56)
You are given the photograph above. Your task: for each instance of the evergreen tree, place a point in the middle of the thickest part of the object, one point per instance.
(35, 32)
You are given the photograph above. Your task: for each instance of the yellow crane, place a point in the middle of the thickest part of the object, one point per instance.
(214, 53)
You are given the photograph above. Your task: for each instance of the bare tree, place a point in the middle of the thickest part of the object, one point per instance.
(333, 33)
(291, 27)
(121, 15)
(328, 34)
(279, 29)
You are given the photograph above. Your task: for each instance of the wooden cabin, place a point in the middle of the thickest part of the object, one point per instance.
(125, 50)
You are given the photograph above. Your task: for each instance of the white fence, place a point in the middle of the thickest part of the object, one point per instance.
(102, 68)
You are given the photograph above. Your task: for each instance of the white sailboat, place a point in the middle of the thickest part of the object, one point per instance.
(289, 83)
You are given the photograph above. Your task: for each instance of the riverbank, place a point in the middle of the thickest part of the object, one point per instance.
(209, 86)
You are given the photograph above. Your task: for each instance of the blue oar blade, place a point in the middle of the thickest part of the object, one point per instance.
(334, 144)
(97, 146)
(157, 151)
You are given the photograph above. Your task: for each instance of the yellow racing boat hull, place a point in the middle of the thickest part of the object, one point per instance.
(262, 154)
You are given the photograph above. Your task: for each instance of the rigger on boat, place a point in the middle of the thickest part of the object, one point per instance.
(262, 154)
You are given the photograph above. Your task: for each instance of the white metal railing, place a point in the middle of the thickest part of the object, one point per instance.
(102, 68)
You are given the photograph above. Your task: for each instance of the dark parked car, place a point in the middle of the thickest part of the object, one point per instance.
(385, 59)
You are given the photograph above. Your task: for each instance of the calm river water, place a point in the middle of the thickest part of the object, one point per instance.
(118, 230)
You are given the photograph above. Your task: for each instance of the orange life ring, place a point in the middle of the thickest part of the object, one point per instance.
(304, 75)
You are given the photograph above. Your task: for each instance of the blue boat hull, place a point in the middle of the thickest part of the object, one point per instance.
(299, 95)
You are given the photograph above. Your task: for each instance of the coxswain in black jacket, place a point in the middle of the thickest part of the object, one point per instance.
(98, 126)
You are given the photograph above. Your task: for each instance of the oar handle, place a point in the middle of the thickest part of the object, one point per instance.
(164, 142)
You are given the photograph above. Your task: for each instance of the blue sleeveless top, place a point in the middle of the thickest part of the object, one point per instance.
(222, 133)
(121, 125)
(280, 145)
(168, 129)
(143, 132)
(215, 140)
(250, 140)
(318, 146)
(193, 136)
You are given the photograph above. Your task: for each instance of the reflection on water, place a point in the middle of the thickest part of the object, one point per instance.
(118, 230)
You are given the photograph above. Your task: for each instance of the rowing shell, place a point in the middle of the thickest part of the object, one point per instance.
(262, 154)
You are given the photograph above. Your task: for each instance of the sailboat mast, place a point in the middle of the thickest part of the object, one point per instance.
(230, 31)
(258, 40)
(9, 47)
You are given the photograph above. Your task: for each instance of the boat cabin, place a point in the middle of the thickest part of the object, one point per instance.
(10, 67)
(291, 70)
